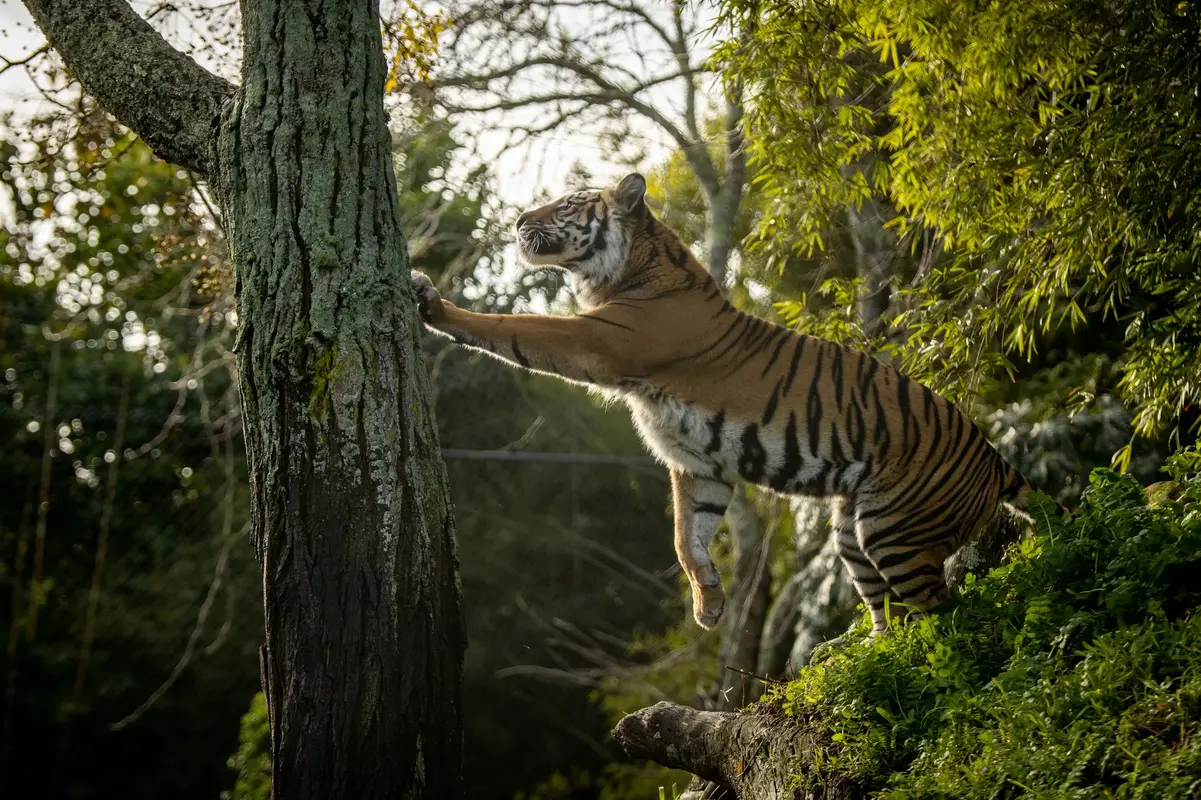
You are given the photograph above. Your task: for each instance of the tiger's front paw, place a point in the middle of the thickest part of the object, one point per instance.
(708, 603)
(429, 302)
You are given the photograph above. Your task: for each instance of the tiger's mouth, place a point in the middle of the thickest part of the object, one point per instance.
(536, 245)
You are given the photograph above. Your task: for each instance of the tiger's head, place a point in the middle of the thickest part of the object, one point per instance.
(587, 233)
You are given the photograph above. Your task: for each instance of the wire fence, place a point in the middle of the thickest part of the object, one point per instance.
(131, 598)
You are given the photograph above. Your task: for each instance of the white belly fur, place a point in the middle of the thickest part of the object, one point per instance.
(682, 437)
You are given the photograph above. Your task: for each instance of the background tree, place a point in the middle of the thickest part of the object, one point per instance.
(611, 71)
(351, 520)
(605, 70)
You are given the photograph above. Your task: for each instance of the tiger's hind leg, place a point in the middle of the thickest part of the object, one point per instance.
(700, 504)
(870, 584)
(910, 558)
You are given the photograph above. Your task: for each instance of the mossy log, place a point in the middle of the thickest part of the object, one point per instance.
(755, 754)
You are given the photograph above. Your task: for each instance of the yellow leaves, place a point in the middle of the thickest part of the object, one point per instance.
(1121, 459)
(411, 44)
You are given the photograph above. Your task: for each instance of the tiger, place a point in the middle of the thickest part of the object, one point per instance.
(722, 397)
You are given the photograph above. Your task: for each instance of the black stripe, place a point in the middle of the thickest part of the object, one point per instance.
(715, 426)
(836, 455)
(774, 400)
(521, 359)
(903, 404)
(856, 557)
(598, 240)
(865, 383)
(792, 457)
(607, 322)
(753, 458)
(894, 560)
(775, 354)
(734, 342)
(836, 376)
(819, 480)
(882, 438)
(936, 434)
(761, 330)
(709, 508)
(796, 358)
(860, 364)
(773, 331)
(725, 307)
(856, 430)
(813, 408)
(708, 350)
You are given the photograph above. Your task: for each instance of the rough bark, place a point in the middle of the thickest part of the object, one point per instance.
(352, 525)
(352, 522)
(758, 754)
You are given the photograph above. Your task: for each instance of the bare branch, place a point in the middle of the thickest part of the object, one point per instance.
(7, 64)
(170, 101)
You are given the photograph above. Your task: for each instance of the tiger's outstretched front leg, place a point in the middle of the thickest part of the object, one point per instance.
(700, 503)
(581, 348)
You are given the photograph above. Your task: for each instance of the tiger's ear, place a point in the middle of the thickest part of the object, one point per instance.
(631, 193)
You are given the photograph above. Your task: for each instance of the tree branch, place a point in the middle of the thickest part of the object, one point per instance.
(758, 753)
(168, 99)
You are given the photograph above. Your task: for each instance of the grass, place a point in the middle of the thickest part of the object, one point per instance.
(1074, 671)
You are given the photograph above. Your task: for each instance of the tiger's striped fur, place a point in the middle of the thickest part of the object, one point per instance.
(721, 396)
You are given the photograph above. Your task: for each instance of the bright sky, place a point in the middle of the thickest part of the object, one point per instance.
(541, 166)
(538, 168)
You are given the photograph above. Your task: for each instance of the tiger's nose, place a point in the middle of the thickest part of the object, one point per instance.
(525, 219)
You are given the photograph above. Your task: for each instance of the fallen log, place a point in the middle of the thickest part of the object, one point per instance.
(757, 754)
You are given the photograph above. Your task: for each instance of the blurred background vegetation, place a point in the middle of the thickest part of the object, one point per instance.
(1002, 199)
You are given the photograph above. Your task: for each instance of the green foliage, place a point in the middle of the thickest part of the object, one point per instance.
(1043, 157)
(100, 233)
(762, 274)
(252, 761)
(1072, 671)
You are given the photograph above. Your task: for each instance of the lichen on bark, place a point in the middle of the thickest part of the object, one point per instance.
(352, 520)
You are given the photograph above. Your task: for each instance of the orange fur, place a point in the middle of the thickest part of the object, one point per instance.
(721, 396)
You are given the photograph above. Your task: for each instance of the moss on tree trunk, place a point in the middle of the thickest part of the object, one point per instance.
(352, 522)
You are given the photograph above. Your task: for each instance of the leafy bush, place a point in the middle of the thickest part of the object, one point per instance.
(252, 762)
(1073, 671)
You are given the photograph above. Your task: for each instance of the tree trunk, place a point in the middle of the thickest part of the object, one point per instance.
(351, 522)
(725, 199)
(352, 525)
(750, 596)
